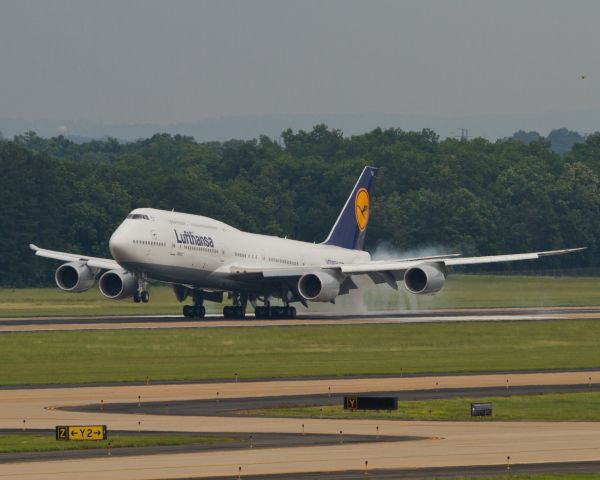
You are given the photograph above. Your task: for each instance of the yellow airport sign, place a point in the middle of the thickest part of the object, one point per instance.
(81, 432)
(350, 403)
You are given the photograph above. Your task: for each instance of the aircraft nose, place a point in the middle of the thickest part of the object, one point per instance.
(118, 245)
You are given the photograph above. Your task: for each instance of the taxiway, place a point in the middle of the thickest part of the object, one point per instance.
(440, 444)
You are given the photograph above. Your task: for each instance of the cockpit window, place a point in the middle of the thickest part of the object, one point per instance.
(138, 216)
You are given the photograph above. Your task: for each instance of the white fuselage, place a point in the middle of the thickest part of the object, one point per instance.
(200, 251)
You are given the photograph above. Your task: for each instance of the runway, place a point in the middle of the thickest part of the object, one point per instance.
(390, 447)
(444, 444)
(30, 324)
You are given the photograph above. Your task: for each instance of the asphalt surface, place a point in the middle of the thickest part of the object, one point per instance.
(244, 441)
(310, 316)
(429, 473)
(232, 406)
(18, 324)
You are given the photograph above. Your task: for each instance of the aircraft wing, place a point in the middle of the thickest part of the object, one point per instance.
(402, 265)
(297, 271)
(92, 262)
(394, 267)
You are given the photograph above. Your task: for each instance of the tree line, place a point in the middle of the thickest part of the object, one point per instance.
(473, 196)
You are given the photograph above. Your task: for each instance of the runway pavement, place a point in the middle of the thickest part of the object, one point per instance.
(23, 324)
(445, 444)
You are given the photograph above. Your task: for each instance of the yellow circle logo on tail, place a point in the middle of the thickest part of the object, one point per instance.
(361, 208)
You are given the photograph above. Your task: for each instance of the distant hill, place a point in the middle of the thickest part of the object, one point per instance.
(252, 126)
(561, 140)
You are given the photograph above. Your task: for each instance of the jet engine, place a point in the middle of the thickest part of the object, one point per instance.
(118, 284)
(425, 279)
(319, 286)
(74, 277)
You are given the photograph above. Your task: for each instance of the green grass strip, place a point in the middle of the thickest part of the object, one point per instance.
(46, 442)
(184, 354)
(547, 407)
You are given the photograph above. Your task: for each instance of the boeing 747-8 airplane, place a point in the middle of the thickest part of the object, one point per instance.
(203, 259)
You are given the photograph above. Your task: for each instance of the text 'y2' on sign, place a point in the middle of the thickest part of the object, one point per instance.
(81, 432)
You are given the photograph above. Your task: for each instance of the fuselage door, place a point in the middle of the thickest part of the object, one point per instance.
(155, 241)
(221, 246)
(172, 245)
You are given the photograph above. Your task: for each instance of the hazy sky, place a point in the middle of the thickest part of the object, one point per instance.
(178, 61)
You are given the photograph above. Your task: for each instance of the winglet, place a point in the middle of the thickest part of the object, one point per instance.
(35, 248)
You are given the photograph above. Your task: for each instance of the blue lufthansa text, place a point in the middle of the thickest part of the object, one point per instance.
(192, 239)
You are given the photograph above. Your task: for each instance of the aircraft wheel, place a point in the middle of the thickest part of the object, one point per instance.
(145, 296)
(137, 297)
(188, 311)
(227, 312)
(199, 311)
(239, 312)
(291, 312)
(258, 312)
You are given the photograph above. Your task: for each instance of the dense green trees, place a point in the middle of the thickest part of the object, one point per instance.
(473, 197)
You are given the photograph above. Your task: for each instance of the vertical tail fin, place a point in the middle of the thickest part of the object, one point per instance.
(350, 227)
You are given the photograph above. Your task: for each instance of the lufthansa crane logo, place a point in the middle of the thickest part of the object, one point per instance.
(361, 208)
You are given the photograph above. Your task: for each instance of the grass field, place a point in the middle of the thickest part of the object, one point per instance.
(46, 442)
(52, 301)
(461, 291)
(196, 354)
(547, 407)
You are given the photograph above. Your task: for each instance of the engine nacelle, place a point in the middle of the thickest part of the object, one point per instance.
(425, 279)
(319, 286)
(74, 277)
(118, 284)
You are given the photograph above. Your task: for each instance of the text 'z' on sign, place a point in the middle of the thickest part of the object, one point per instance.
(81, 432)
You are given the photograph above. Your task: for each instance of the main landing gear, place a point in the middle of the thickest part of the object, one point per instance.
(197, 310)
(238, 309)
(234, 311)
(240, 302)
(142, 294)
(194, 311)
(275, 312)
